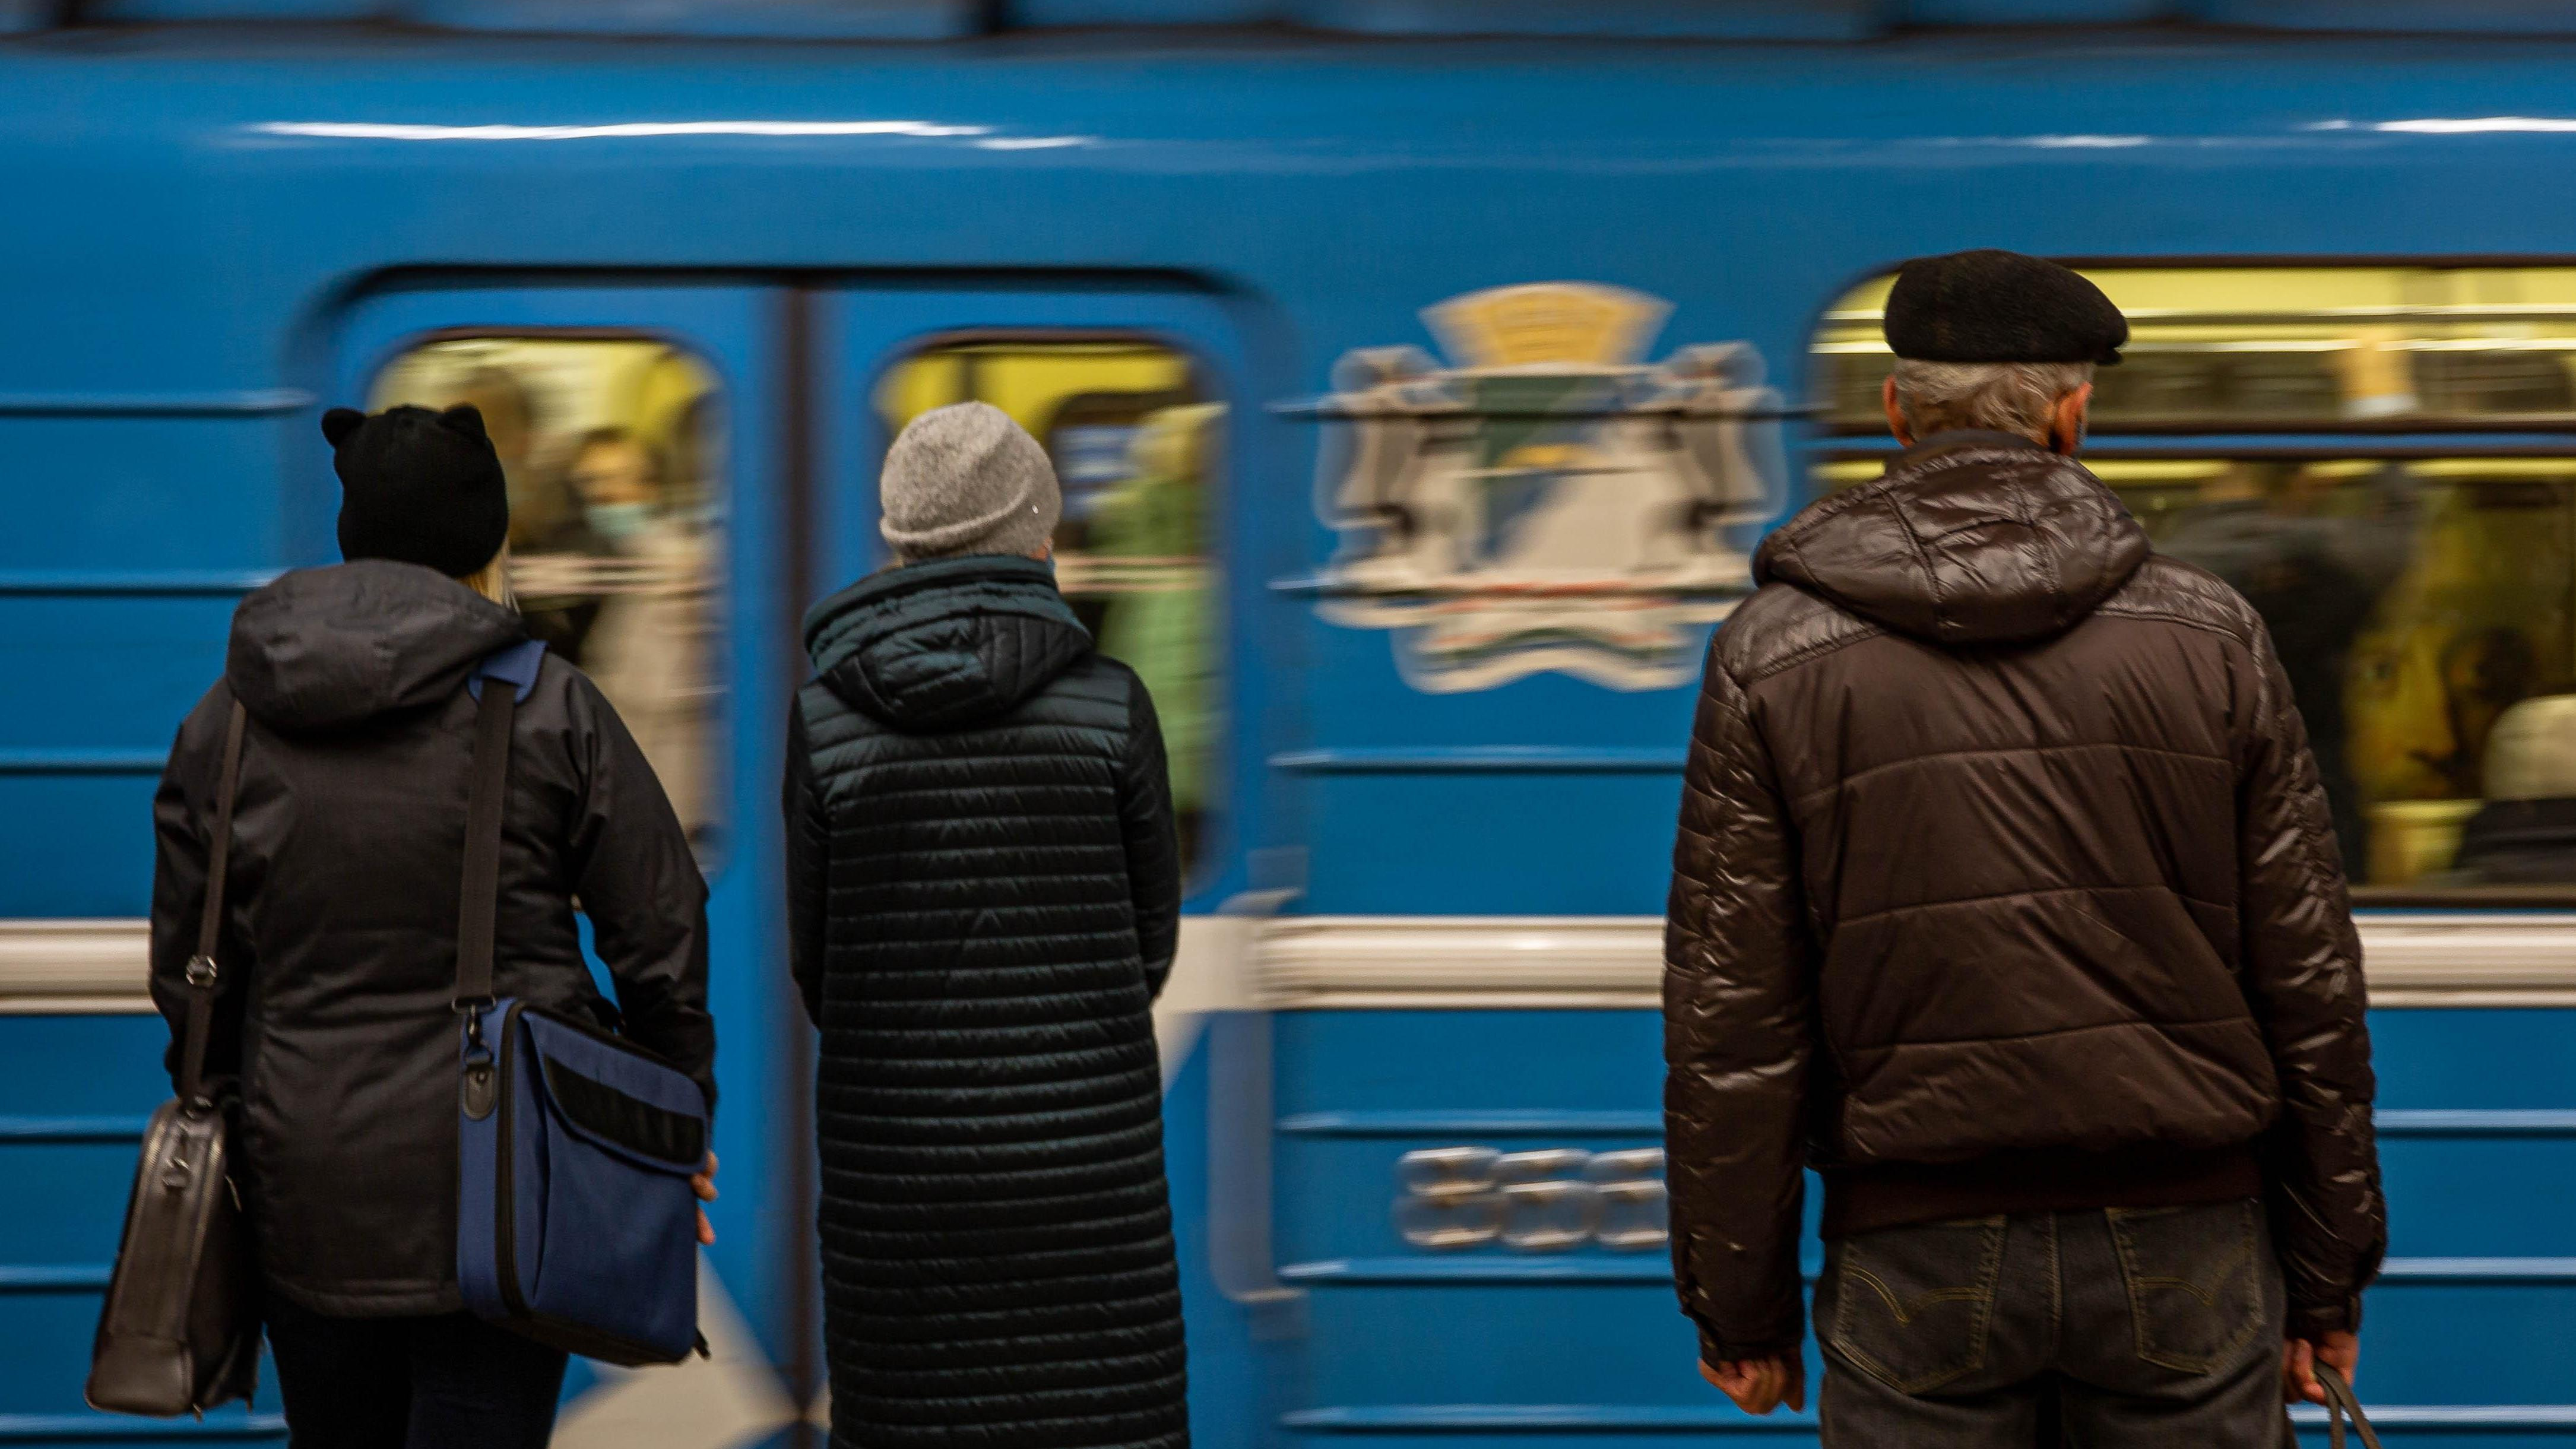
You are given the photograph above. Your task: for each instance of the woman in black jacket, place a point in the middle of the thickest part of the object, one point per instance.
(339, 939)
(984, 901)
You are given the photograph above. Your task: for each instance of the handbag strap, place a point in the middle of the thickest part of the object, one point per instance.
(202, 972)
(2340, 1401)
(479, 906)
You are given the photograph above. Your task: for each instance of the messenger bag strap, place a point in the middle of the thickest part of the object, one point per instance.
(479, 907)
(202, 973)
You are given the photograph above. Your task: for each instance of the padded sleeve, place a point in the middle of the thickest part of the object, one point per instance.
(809, 867)
(1739, 971)
(2302, 972)
(1153, 841)
(641, 888)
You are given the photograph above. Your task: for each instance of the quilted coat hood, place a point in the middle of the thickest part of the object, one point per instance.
(946, 644)
(1971, 538)
(325, 648)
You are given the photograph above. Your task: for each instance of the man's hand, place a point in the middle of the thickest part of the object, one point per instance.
(2338, 1351)
(1759, 1385)
(704, 1184)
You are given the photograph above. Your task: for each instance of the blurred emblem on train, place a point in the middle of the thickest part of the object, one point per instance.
(1552, 501)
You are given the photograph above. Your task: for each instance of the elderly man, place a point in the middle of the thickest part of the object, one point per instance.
(2005, 897)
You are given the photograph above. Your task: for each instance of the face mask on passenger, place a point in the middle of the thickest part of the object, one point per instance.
(620, 522)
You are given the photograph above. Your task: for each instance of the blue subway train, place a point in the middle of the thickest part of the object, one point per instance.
(1419, 397)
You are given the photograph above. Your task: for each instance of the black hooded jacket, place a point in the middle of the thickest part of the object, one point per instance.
(983, 903)
(339, 940)
(2004, 883)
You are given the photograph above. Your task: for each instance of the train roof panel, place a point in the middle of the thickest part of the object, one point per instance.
(932, 20)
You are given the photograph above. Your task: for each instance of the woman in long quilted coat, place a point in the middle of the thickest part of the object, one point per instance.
(984, 901)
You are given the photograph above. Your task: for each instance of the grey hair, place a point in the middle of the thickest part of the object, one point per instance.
(2006, 397)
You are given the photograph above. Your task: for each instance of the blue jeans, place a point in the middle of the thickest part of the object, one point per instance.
(2142, 1326)
(450, 1382)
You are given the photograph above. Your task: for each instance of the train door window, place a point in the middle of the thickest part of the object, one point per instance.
(1138, 443)
(612, 448)
(2383, 460)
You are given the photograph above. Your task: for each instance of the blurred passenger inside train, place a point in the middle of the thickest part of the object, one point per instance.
(647, 645)
(983, 901)
(2006, 896)
(1157, 518)
(338, 976)
(2316, 573)
(2525, 832)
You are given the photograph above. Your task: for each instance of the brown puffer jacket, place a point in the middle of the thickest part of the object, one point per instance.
(2004, 882)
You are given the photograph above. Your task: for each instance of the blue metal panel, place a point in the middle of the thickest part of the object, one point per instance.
(2038, 12)
(231, 1426)
(710, 19)
(1658, 19)
(153, 12)
(2500, 17)
(1389, 842)
(1031, 14)
(96, 831)
(106, 490)
(141, 664)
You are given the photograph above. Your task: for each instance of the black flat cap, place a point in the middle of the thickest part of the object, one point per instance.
(1996, 306)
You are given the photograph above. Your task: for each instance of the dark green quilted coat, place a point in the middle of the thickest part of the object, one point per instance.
(984, 900)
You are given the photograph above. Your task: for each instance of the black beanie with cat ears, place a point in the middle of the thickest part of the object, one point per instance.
(419, 487)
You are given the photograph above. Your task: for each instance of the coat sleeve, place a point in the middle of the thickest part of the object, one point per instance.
(641, 888)
(2302, 973)
(1738, 982)
(183, 813)
(1153, 842)
(809, 866)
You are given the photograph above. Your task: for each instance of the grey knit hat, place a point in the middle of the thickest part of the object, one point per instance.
(967, 479)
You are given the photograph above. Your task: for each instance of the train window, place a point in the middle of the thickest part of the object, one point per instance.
(1138, 444)
(2420, 584)
(613, 450)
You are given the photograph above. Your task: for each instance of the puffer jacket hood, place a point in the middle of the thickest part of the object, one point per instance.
(326, 648)
(1971, 538)
(947, 644)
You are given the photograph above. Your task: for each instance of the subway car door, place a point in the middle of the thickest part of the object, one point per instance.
(641, 429)
(1147, 400)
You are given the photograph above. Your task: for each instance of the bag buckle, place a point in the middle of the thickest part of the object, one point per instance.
(473, 1007)
(201, 971)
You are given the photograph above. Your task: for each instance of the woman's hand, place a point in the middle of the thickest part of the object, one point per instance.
(704, 1185)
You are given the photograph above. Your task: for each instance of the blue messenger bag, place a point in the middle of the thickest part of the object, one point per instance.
(576, 1225)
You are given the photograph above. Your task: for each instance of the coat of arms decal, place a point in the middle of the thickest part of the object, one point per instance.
(1552, 502)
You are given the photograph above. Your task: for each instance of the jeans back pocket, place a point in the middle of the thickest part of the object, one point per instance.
(2195, 1280)
(1910, 1306)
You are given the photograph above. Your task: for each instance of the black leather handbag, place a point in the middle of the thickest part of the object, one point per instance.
(180, 1330)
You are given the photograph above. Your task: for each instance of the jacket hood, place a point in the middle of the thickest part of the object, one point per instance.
(946, 644)
(1971, 538)
(323, 648)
